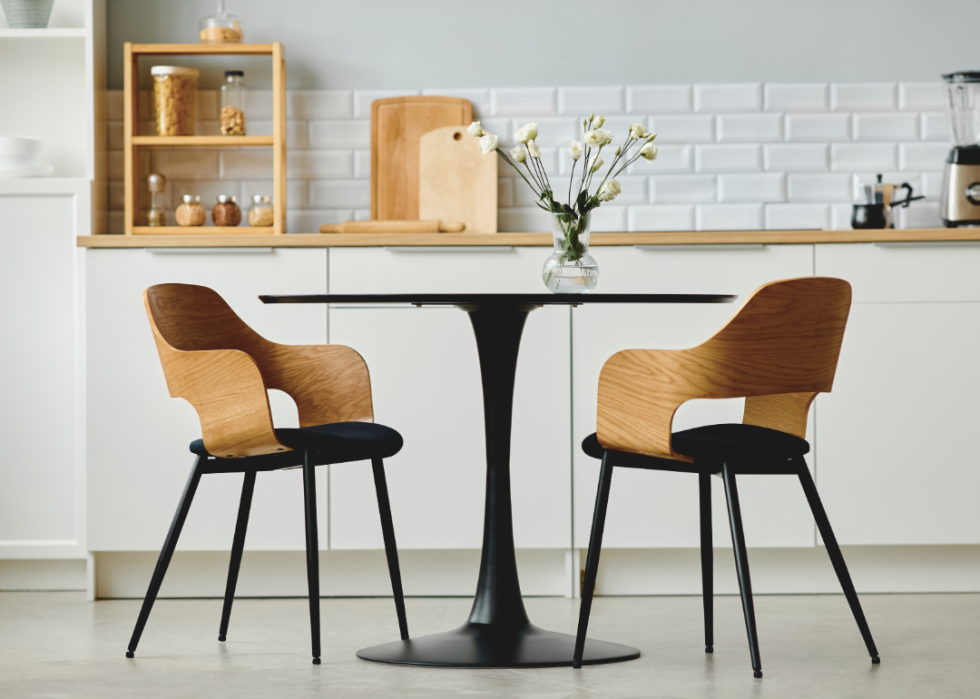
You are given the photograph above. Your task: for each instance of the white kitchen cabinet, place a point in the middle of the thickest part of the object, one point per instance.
(138, 459)
(425, 379)
(659, 509)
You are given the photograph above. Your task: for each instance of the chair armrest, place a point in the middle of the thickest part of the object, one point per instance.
(227, 391)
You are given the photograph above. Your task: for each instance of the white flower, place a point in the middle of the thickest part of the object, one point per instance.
(526, 133)
(609, 191)
(519, 154)
(488, 144)
(597, 163)
(596, 138)
(649, 151)
(575, 149)
(474, 129)
(599, 121)
(533, 149)
(638, 131)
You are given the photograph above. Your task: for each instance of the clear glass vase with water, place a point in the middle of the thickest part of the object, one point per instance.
(570, 269)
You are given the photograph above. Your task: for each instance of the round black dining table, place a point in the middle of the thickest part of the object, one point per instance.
(498, 633)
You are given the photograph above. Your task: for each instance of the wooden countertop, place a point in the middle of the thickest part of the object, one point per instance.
(318, 240)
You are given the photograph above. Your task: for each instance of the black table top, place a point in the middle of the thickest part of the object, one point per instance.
(498, 299)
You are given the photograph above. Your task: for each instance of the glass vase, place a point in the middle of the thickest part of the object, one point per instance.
(570, 269)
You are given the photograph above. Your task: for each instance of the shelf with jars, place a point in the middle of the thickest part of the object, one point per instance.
(174, 96)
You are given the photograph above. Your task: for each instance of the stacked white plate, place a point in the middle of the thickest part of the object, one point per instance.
(19, 157)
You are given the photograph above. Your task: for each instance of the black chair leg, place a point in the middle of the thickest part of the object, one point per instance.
(833, 550)
(707, 562)
(312, 550)
(391, 549)
(244, 506)
(742, 566)
(163, 562)
(592, 562)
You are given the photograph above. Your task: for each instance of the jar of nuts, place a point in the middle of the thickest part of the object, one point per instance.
(191, 213)
(226, 212)
(261, 213)
(222, 28)
(175, 99)
(233, 104)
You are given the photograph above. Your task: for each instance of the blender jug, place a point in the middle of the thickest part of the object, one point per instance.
(961, 184)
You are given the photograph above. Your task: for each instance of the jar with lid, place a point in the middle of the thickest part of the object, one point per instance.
(221, 28)
(175, 99)
(191, 213)
(261, 214)
(233, 104)
(226, 212)
(156, 216)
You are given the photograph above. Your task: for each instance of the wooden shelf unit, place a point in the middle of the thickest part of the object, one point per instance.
(133, 141)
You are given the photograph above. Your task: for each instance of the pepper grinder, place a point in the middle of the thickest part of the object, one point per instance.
(156, 216)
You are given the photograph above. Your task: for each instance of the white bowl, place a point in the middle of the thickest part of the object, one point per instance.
(18, 150)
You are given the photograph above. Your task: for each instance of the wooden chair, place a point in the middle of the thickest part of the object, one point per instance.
(778, 351)
(223, 368)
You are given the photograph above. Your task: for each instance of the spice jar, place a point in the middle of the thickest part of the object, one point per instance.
(191, 213)
(175, 99)
(222, 28)
(233, 104)
(226, 212)
(261, 213)
(156, 216)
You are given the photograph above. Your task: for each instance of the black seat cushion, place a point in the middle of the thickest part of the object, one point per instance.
(353, 440)
(719, 442)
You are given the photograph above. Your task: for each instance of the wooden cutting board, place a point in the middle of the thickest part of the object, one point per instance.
(397, 124)
(457, 182)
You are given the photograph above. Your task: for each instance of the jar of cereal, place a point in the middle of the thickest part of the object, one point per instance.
(220, 28)
(261, 213)
(175, 99)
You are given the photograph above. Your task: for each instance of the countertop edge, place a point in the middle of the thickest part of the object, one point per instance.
(319, 240)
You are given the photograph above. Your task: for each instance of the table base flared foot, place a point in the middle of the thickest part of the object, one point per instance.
(489, 646)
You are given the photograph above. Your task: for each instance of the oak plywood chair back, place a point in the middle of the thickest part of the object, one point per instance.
(220, 365)
(778, 351)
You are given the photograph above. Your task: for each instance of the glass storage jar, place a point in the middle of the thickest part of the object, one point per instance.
(191, 213)
(233, 104)
(261, 214)
(174, 99)
(226, 212)
(221, 28)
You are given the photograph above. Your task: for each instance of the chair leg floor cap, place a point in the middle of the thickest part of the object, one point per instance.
(709, 649)
(129, 654)
(757, 674)
(316, 661)
(221, 638)
(876, 660)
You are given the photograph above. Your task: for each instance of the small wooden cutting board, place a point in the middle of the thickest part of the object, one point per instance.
(457, 182)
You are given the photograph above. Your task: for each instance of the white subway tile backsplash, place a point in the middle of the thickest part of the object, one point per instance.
(502, 128)
(921, 214)
(923, 156)
(754, 128)
(727, 158)
(935, 126)
(818, 127)
(932, 185)
(582, 101)
(258, 104)
(840, 216)
(320, 104)
(340, 194)
(362, 164)
(728, 217)
(921, 96)
(669, 159)
(863, 156)
(757, 187)
(728, 98)
(309, 221)
(682, 189)
(523, 220)
(787, 217)
(362, 214)
(479, 98)
(192, 163)
(319, 164)
(635, 189)
(661, 218)
(818, 187)
(794, 157)
(553, 131)
(659, 99)
(523, 102)
(246, 163)
(689, 128)
(340, 133)
(609, 219)
(862, 97)
(364, 98)
(296, 132)
(886, 127)
(796, 97)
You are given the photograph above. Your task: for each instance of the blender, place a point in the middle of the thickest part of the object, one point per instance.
(961, 184)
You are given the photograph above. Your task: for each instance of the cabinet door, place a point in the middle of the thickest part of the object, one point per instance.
(898, 462)
(138, 436)
(658, 509)
(425, 379)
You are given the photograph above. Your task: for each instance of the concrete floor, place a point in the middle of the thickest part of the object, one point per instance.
(56, 645)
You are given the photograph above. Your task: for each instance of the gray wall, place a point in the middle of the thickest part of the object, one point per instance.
(371, 44)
